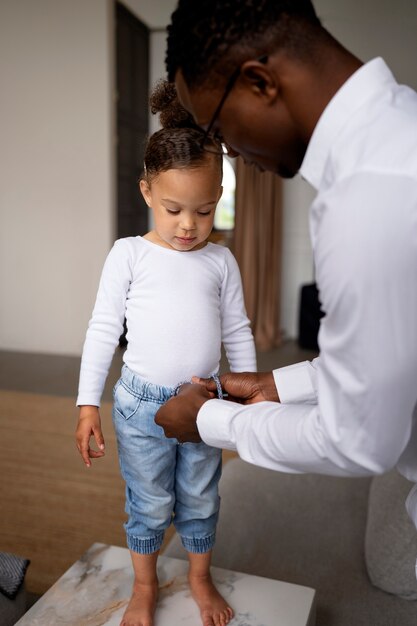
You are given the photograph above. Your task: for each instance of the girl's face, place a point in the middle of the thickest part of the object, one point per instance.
(183, 202)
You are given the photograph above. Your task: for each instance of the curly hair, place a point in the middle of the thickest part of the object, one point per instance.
(203, 34)
(179, 143)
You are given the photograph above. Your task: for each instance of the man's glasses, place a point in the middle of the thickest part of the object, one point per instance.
(214, 142)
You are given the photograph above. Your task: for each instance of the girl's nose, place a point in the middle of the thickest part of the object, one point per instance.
(187, 224)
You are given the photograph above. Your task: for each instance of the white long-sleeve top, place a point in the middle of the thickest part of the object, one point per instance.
(350, 412)
(179, 308)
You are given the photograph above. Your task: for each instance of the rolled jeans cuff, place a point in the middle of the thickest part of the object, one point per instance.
(199, 545)
(145, 545)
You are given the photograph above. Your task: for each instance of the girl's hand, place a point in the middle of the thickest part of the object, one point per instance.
(89, 425)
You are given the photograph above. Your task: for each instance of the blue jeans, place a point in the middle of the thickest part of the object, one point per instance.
(165, 481)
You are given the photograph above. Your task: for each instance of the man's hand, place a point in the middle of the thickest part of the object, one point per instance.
(89, 425)
(244, 388)
(178, 416)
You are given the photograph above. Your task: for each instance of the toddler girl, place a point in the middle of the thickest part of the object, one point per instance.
(181, 297)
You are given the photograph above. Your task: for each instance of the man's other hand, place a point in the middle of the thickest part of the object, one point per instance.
(178, 416)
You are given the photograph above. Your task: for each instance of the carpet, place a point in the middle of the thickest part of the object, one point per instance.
(53, 507)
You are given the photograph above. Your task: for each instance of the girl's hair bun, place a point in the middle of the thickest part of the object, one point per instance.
(179, 142)
(164, 100)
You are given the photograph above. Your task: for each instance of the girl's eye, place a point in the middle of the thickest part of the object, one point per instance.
(173, 211)
(203, 213)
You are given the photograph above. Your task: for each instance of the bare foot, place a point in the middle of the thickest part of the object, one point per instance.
(141, 608)
(213, 607)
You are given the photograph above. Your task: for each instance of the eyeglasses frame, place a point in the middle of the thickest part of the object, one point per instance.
(229, 86)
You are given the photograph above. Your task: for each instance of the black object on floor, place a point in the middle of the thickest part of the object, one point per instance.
(12, 573)
(309, 319)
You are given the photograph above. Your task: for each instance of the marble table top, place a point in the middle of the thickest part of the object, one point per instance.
(96, 590)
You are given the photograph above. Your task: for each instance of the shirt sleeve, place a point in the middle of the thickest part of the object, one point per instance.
(237, 336)
(297, 383)
(365, 242)
(106, 324)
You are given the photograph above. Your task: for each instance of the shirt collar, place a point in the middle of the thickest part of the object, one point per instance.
(363, 85)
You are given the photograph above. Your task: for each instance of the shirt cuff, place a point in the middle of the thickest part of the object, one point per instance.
(295, 383)
(89, 400)
(213, 423)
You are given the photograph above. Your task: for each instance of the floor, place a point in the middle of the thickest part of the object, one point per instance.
(58, 375)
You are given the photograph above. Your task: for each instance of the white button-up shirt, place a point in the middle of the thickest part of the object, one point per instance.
(351, 411)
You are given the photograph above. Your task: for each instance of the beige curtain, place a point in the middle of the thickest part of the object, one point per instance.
(258, 248)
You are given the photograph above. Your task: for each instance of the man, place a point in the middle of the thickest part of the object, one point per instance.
(274, 86)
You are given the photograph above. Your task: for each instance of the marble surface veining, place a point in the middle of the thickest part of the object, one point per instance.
(96, 590)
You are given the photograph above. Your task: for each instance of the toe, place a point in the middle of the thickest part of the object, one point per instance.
(217, 619)
(208, 620)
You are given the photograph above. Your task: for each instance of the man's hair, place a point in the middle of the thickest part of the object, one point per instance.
(212, 36)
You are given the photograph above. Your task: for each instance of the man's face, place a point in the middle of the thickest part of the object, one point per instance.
(264, 134)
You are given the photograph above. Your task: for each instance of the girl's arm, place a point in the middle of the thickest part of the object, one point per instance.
(236, 332)
(106, 324)
(103, 334)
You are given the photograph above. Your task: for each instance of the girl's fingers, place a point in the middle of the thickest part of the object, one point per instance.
(88, 453)
(83, 444)
(98, 436)
(95, 454)
(84, 449)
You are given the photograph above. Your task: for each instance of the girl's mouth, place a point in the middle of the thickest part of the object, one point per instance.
(186, 240)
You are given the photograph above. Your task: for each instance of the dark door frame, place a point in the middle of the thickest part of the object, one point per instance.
(132, 85)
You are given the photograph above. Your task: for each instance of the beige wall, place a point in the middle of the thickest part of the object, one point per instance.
(56, 157)
(56, 173)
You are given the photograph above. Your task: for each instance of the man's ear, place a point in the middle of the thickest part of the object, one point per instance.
(260, 79)
(145, 191)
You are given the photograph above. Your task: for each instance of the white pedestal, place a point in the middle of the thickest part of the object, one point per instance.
(96, 590)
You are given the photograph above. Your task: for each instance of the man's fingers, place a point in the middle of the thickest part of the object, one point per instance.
(208, 383)
(177, 417)
(160, 418)
(235, 399)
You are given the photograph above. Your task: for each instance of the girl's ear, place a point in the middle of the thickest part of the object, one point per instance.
(145, 191)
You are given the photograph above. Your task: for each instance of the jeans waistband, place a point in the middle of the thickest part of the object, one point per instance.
(141, 387)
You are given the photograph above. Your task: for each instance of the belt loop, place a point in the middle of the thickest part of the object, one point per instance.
(216, 379)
